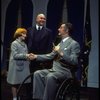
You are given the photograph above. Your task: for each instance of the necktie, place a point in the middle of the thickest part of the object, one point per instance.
(39, 28)
(61, 44)
(61, 41)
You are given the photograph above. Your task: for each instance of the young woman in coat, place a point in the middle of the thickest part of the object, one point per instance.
(19, 61)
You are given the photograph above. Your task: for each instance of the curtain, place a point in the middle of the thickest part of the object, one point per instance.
(54, 15)
(75, 13)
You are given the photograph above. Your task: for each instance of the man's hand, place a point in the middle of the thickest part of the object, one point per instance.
(56, 48)
(31, 56)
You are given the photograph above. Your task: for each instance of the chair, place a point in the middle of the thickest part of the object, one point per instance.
(69, 89)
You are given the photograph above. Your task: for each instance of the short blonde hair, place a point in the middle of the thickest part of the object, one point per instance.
(19, 32)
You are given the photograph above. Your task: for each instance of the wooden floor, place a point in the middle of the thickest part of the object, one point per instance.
(86, 94)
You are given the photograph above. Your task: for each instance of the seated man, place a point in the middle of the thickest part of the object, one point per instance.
(65, 57)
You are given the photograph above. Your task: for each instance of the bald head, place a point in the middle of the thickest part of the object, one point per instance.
(40, 19)
(40, 15)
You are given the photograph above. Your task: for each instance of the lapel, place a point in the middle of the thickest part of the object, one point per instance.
(21, 43)
(66, 43)
(43, 32)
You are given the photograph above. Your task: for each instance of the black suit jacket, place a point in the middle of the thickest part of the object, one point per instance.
(39, 41)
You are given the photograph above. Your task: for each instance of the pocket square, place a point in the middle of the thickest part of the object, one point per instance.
(65, 48)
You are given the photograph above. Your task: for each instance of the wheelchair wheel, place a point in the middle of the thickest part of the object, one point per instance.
(68, 90)
(21, 88)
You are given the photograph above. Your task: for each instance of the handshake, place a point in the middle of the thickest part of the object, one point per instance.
(31, 56)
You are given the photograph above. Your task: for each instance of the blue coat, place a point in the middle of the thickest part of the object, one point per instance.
(18, 63)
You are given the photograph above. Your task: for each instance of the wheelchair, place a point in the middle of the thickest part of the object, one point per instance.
(68, 89)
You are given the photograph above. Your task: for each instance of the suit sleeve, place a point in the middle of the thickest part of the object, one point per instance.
(46, 57)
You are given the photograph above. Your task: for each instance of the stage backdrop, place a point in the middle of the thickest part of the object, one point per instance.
(22, 13)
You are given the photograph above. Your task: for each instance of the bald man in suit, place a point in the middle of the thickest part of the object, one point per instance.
(65, 58)
(39, 41)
